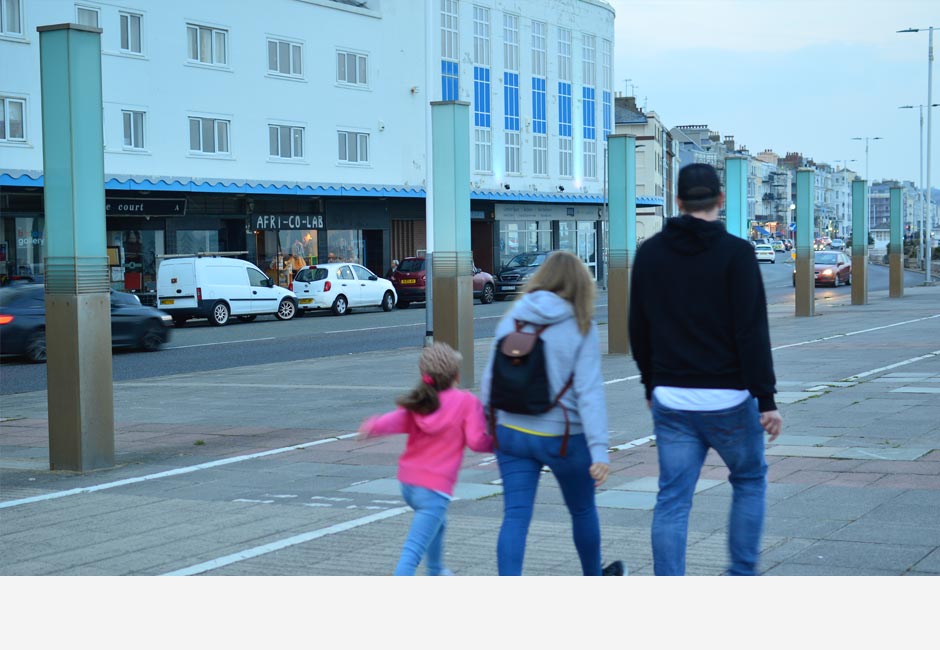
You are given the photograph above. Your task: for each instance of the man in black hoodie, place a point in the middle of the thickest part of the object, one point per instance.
(699, 335)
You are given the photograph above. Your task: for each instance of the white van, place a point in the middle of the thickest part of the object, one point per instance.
(217, 287)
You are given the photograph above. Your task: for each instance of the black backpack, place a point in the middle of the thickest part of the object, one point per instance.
(520, 379)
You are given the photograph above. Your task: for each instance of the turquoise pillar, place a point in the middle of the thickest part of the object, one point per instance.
(859, 242)
(621, 157)
(805, 279)
(736, 196)
(452, 257)
(78, 312)
(896, 251)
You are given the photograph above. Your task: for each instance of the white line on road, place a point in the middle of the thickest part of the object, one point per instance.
(617, 381)
(633, 443)
(172, 472)
(202, 345)
(250, 553)
(838, 336)
(893, 365)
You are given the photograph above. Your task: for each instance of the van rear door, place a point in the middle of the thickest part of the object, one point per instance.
(176, 284)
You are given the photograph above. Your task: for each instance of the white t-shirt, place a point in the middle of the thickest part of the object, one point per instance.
(699, 399)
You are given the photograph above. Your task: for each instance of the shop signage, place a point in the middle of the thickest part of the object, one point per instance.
(288, 221)
(547, 212)
(119, 207)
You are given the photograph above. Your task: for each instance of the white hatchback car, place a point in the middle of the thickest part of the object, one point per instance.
(765, 253)
(340, 286)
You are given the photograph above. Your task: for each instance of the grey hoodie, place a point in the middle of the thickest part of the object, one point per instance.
(566, 350)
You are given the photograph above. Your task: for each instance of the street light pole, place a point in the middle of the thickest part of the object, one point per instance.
(922, 220)
(928, 276)
(868, 180)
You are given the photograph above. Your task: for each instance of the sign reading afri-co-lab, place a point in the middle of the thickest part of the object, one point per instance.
(288, 221)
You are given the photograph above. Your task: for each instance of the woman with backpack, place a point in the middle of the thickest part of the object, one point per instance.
(544, 392)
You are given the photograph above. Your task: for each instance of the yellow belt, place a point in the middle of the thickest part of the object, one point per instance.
(533, 433)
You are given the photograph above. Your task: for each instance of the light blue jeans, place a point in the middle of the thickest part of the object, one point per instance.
(426, 535)
(682, 440)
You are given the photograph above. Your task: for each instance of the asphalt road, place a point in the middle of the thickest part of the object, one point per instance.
(200, 347)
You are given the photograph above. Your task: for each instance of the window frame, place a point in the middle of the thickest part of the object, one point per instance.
(141, 132)
(539, 49)
(565, 156)
(540, 154)
(129, 51)
(213, 32)
(588, 60)
(4, 136)
(215, 134)
(511, 44)
(362, 59)
(450, 30)
(483, 150)
(564, 55)
(95, 10)
(482, 28)
(277, 157)
(360, 135)
(20, 19)
(277, 41)
(513, 147)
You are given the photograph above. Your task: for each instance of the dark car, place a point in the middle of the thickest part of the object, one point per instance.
(410, 281)
(831, 268)
(23, 322)
(511, 279)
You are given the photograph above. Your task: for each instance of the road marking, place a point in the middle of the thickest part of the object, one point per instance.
(172, 472)
(202, 345)
(252, 501)
(838, 336)
(257, 551)
(617, 381)
(893, 365)
(633, 443)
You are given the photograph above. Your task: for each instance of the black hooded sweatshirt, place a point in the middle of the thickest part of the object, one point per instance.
(698, 314)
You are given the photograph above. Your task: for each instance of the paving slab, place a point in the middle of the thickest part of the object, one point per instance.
(868, 555)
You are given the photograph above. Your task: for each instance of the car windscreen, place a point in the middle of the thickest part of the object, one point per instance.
(411, 266)
(827, 258)
(526, 259)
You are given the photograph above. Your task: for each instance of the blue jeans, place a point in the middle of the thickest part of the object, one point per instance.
(426, 535)
(521, 457)
(682, 440)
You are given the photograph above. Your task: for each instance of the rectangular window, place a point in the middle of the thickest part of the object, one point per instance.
(130, 32)
(513, 148)
(450, 70)
(285, 141)
(511, 100)
(86, 16)
(511, 42)
(539, 50)
(450, 80)
(538, 105)
(481, 36)
(285, 58)
(12, 112)
(208, 135)
(133, 129)
(564, 109)
(607, 52)
(10, 18)
(540, 155)
(207, 44)
(590, 158)
(481, 97)
(352, 68)
(483, 149)
(588, 117)
(564, 54)
(353, 147)
(588, 54)
(564, 156)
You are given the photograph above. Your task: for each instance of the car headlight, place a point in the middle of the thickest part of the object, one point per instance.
(827, 272)
(166, 318)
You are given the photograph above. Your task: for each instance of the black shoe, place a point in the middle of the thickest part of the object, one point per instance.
(615, 568)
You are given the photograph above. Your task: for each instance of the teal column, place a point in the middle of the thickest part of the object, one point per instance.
(736, 196)
(859, 242)
(805, 280)
(896, 249)
(452, 258)
(78, 312)
(621, 157)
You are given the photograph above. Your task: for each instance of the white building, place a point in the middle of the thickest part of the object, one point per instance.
(302, 125)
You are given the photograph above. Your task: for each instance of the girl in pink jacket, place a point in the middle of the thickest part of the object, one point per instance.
(440, 421)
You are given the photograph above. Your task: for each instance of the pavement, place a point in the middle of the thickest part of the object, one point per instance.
(256, 470)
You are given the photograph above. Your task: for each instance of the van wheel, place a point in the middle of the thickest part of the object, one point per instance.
(286, 310)
(36, 347)
(248, 318)
(340, 305)
(179, 321)
(152, 338)
(488, 293)
(220, 314)
(388, 301)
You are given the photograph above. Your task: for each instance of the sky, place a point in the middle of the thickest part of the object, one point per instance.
(788, 75)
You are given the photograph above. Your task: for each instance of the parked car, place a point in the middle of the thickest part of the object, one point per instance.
(217, 287)
(340, 286)
(23, 322)
(779, 246)
(837, 245)
(765, 253)
(411, 277)
(831, 268)
(511, 279)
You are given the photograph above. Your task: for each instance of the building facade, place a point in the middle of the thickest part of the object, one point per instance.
(302, 127)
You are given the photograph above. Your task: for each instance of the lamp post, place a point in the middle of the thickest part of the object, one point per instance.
(928, 277)
(867, 179)
(921, 221)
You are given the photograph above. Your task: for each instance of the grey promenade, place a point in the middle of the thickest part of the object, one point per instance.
(854, 479)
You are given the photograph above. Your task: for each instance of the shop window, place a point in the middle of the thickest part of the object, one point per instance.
(344, 245)
(140, 252)
(197, 241)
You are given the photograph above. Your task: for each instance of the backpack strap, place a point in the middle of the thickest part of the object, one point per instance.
(538, 328)
(564, 410)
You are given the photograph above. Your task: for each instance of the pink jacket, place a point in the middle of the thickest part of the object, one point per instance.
(436, 441)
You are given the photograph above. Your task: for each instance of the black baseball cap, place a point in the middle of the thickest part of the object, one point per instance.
(698, 185)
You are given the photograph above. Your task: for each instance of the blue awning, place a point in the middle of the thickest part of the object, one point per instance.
(761, 230)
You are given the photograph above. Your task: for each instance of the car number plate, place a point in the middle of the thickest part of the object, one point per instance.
(305, 301)
(508, 287)
(167, 301)
(408, 281)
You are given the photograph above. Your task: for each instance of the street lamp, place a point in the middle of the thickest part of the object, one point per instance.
(921, 221)
(928, 277)
(868, 180)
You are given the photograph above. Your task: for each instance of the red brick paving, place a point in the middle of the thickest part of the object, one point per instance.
(909, 482)
(899, 467)
(854, 479)
(808, 477)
